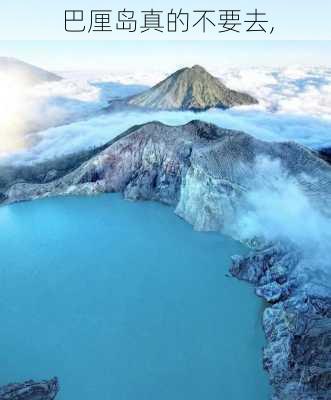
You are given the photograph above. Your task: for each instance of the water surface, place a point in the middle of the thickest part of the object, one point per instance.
(124, 301)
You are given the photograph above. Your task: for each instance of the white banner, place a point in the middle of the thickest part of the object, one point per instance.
(160, 20)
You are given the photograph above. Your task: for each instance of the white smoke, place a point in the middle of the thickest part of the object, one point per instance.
(277, 208)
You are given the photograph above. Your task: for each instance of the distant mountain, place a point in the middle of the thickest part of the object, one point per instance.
(187, 89)
(26, 73)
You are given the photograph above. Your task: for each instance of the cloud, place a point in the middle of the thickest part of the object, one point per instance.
(292, 90)
(29, 108)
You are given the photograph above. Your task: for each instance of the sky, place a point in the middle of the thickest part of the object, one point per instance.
(165, 55)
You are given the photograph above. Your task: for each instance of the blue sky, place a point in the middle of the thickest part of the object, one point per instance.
(145, 55)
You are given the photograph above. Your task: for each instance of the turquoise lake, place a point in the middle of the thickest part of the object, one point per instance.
(124, 300)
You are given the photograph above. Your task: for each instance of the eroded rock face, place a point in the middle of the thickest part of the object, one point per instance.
(30, 390)
(297, 324)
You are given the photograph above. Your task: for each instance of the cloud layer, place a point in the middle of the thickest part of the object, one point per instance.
(63, 117)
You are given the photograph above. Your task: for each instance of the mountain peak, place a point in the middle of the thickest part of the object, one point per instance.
(197, 67)
(189, 89)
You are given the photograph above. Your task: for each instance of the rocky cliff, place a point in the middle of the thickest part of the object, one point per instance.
(205, 172)
(187, 89)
